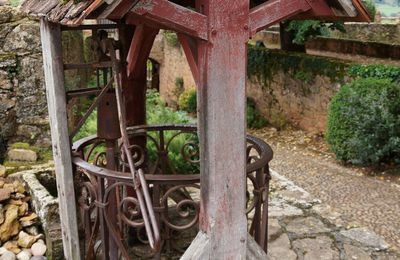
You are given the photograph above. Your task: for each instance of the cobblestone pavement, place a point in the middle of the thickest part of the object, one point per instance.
(359, 200)
(301, 227)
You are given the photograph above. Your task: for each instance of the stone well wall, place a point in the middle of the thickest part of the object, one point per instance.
(23, 107)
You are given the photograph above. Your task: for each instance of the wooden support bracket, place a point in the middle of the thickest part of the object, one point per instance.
(190, 49)
(140, 48)
(173, 16)
(274, 11)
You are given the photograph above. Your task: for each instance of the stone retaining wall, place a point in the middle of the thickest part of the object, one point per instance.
(23, 107)
(355, 47)
(367, 39)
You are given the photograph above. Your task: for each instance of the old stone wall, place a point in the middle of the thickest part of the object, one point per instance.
(23, 107)
(298, 96)
(371, 32)
(368, 39)
(173, 66)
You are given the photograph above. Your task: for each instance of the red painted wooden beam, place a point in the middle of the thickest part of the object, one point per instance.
(173, 16)
(191, 55)
(140, 48)
(274, 11)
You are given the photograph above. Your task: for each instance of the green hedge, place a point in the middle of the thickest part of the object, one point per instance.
(375, 71)
(364, 122)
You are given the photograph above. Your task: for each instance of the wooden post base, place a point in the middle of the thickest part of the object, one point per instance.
(200, 249)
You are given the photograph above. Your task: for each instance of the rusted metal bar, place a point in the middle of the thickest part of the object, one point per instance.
(138, 179)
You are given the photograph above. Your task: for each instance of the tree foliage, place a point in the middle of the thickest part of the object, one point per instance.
(307, 29)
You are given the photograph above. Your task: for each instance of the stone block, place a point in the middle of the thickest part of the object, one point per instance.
(364, 237)
(281, 249)
(2, 170)
(306, 226)
(22, 155)
(25, 38)
(320, 247)
(353, 252)
(46, 207)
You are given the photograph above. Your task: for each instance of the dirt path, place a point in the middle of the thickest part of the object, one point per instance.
(373, 202)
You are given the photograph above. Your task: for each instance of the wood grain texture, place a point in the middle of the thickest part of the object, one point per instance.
(56, 100)
(272, 12)
(222, 127)
(173, 16)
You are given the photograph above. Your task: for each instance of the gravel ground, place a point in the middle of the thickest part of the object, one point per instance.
(363, 199)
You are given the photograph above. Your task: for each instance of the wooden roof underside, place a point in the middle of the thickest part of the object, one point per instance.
(73, 14)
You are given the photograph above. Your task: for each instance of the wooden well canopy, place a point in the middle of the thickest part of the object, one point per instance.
(179, 14)
(214, 36)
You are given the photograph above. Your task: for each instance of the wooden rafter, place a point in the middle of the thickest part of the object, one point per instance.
(173, 16)
(275, 11)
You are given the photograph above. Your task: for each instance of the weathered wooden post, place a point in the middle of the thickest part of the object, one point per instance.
(56, 101)
(222, 128)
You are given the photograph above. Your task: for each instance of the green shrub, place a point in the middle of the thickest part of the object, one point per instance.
(304, 30)
(375, 71)
(253, 116)
(370, 4)
(178, 90)
(89, 127)
(171, 38)
(158, 113)
(364, 122)
(188, 101)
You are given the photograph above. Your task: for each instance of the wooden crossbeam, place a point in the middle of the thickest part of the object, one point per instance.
(173, 16)
(273, 12)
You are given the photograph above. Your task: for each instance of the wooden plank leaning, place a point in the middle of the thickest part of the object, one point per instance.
(56, 100)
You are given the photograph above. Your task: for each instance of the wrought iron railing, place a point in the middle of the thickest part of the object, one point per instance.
(169, 157)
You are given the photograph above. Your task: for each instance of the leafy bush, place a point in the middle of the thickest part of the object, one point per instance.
(304, 30)
(375, 71)
(370, 4)
(171, 38)
(253, 116)
(89, 127)
(188, 101)
(364, 122)
(158, 113)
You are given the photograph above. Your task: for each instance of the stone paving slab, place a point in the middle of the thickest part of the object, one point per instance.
(302, 228)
